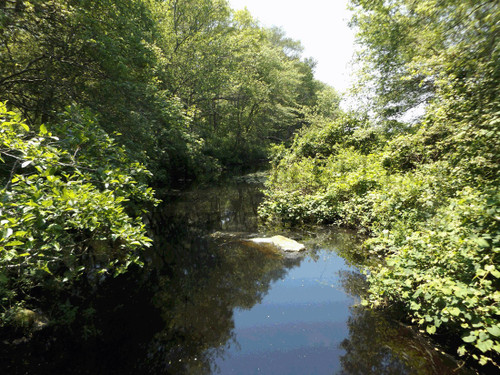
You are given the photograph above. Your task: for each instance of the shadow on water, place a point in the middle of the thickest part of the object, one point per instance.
(198, 306)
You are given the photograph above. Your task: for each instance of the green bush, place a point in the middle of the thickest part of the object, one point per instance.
(446, 272)
(434, 225)
(65, 207)
(426, 189)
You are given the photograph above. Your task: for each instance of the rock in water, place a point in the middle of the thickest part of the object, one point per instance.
(281, 242)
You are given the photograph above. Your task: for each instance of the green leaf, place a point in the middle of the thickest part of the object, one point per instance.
(469, 338)
(431, 330)
(14, 243)
(485, 346)
(43, 129)
(489, 267)
(495, 330)
(483, 360)
(415, 306)
(45, 268)
(482, 242)
(455, 311)
(21, 233)
(26, 163)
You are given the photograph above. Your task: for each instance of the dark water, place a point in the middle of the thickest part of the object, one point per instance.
(214, 304)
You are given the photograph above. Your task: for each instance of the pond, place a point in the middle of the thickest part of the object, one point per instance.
(210, 303)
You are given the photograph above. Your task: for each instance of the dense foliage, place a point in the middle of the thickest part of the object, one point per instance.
(93, 93)
(427, 190)
(186, 88)
(192, 85)
(64, 208)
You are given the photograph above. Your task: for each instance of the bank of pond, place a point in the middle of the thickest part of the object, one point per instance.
(208, 301)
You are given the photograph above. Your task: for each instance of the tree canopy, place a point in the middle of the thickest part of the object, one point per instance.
(101, 100)
(192, 85)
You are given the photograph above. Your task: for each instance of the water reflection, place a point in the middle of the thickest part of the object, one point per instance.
(183, 222)
(379, 346)
(297, 327)
(206, 305)
(198, 302)
(227, 207)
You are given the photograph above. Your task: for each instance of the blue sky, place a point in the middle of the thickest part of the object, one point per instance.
(321, 26)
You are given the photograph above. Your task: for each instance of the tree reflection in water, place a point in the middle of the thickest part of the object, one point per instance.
(378, 345)
(197, 305)
(177, 315)
(207, 279)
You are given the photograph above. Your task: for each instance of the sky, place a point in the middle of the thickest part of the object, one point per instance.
(321, 27)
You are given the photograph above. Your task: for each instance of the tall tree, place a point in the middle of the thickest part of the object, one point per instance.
(411, 49)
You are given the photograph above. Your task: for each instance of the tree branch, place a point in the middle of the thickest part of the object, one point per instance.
(26, 69)
(12, 171)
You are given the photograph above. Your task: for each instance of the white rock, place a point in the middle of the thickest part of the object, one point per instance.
(281, 242)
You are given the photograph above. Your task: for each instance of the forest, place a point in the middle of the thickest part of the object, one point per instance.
(105, 106)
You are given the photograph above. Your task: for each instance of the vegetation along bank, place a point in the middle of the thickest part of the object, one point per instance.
(425, 189)
(102, 101)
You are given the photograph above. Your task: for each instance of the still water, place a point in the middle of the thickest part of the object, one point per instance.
(298, 327)
(254, 312)
(210, 303)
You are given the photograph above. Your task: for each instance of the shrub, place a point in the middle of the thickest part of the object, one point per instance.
(65, 207)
